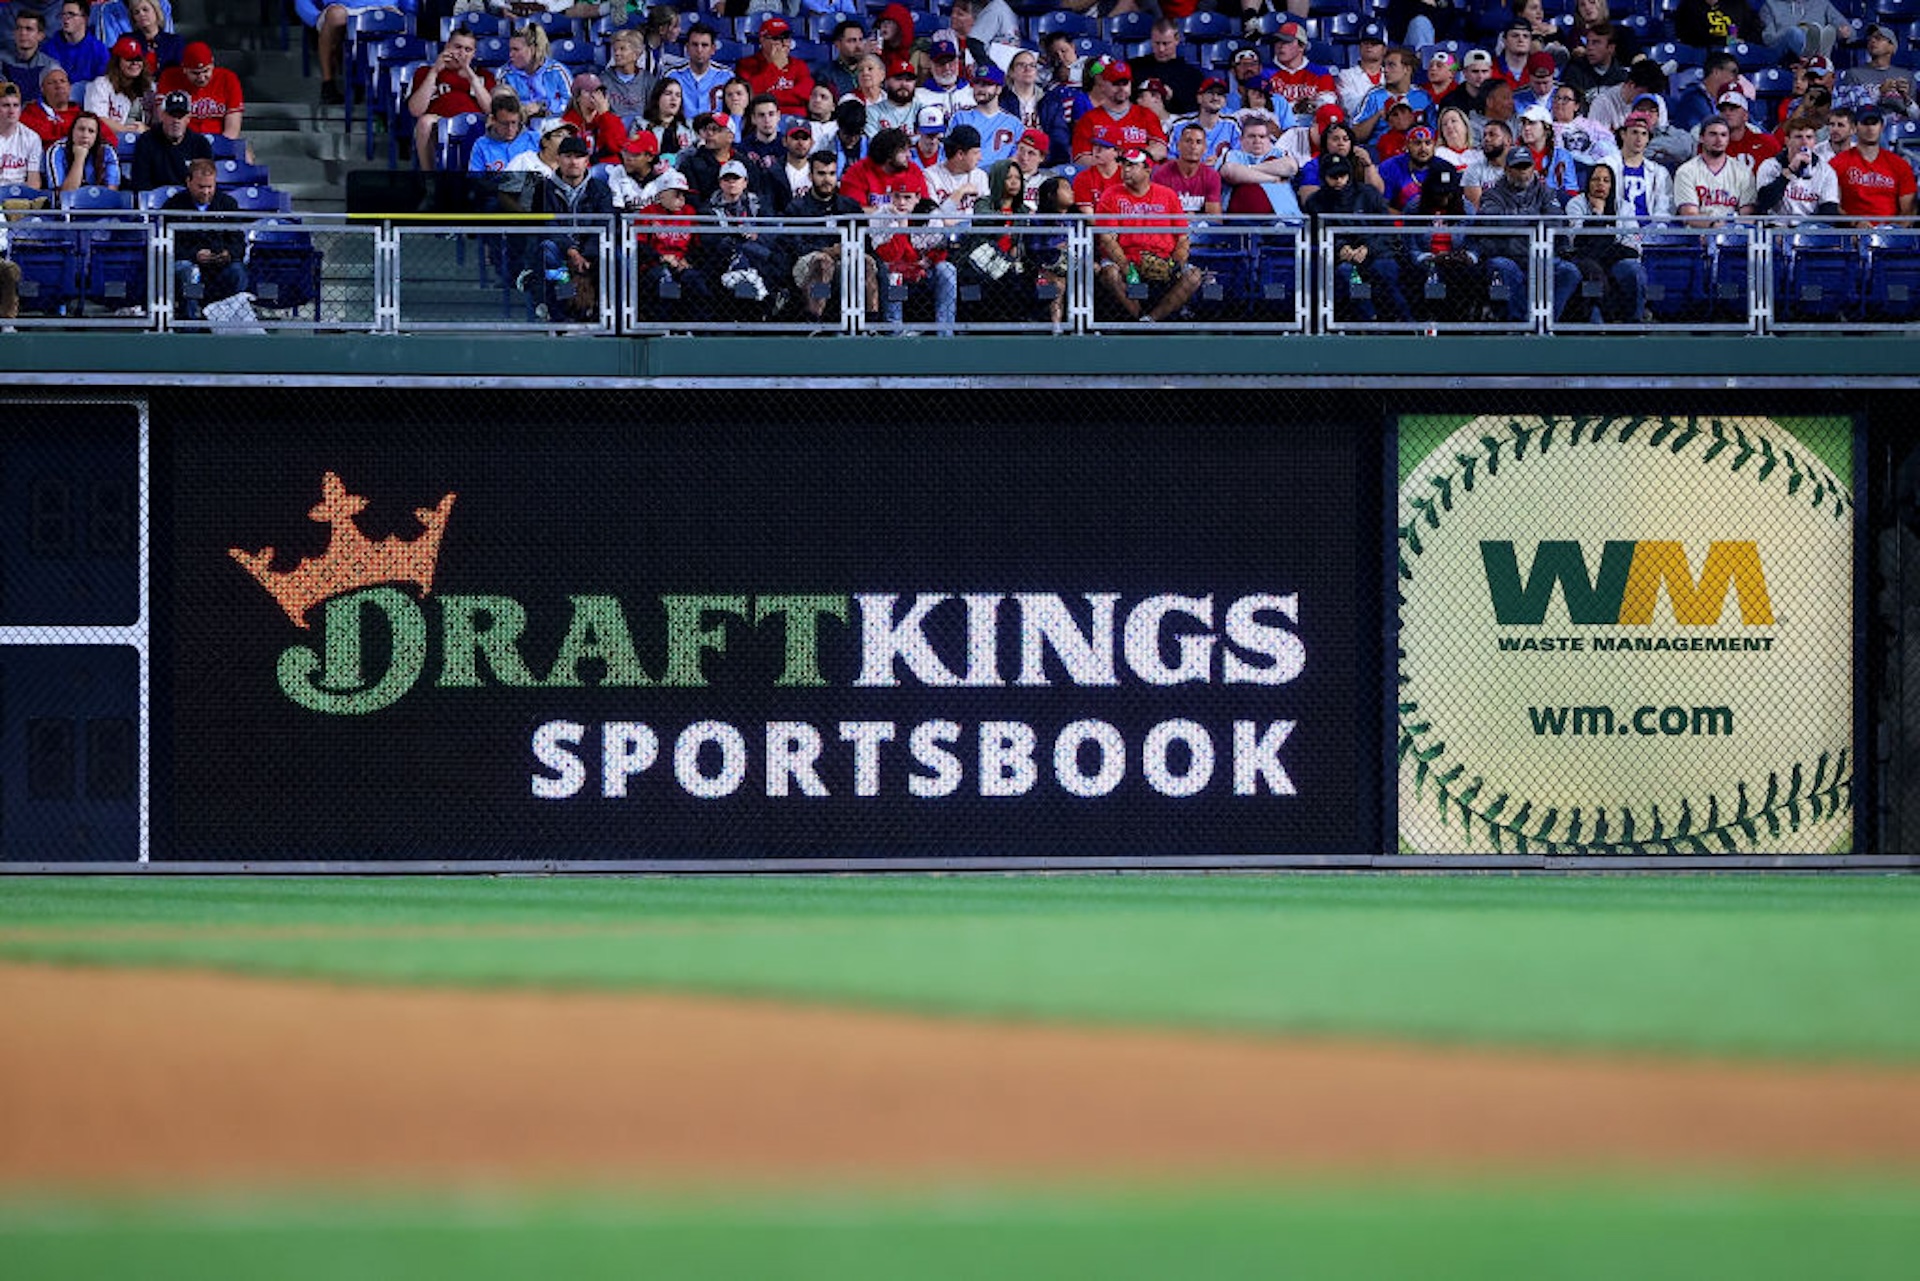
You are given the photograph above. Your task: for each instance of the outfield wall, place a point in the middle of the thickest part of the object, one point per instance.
(991, 627)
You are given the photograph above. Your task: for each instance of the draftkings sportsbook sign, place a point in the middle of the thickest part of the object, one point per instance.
(721, 642)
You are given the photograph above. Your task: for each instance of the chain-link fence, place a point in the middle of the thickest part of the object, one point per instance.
(506, 276)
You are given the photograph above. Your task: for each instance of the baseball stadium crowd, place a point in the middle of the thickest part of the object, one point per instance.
(943, 126)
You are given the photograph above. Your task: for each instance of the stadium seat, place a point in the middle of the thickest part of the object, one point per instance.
(50, 255)
(558, 26)
(1753, 56)
(455, 136)
(95, 198)
(116, 266)
(488, 54)
(1893, 277)
(154, 197)
(482, 25)
(1207, 25)
(19, 191)
(1126, 28)
(261, 199)
(573, 53)
(1679, 274)
(1684, 55)
(238, 173)
(1817, 277)
(365, 72)
(283, 266)
(1074, 24)
(365, 28)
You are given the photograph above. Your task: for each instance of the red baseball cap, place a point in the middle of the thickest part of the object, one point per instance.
(643, 143)
(1328, 114)
(775, 27)
(1117, 73)
(195, 55)
(128, 47)
(1037, 140)
(1539, 61)
(901, 67)
(1290, 31)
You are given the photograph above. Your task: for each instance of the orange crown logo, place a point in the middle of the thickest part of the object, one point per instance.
(353, 560)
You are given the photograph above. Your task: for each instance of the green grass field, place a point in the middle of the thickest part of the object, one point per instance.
(1774, 968)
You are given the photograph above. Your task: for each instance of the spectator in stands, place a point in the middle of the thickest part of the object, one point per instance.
(741, 254)
(1363, 255)
(1588, 15)
(84, 158)
(449, 86)
(776, 72)
(850, 137)
(1443, 75)
(1164, 62)
(1646, 188)
(762, 146)
(1354, 83)
(998, 129)
(569, 255)
(870, 183)
(1594, 62)
(1453, 140)
(1095, 178)
(161, 154)
(1874, 182)
(1128, 123)
(1029, 157)
(702, 164)
(793, 177)
(849, 49)
(1810, 76)
(819, 118)
(209, 263)
(1520, 193)
(1489, 167)
(1449, 284)
(1803, 28)
(1402, 176)
(604, 132)
(1555, 163)
(1838, 134)
(1516, 52)
(635, 180)
(928, 147)
(1258, 175)
(658, 34)
(120, 96)
(1306, 86)
(1421, 22)
(959, 28)
(666, 118)
(1152, 95)
(995, 22)
(672, 288)
(1713, 187)
(1797, 183)
(505, 139)
(1060, 61)
(1140, 237)
(151, 27)
(541, 83)
(26, 62)
(1061, 111)
(958, 182)
(74, 47)
(328, 18)
(1397, 72)
(1533, 15)
(1574, 131)
(1190, 175)
(1882, 82)
(735, 97)
(946, 85)
(1711, 24)
(701, 79)
(1470, 86)
(1700, 103)
(893, 33)
(1538, 91)
(897, 108)
(1608, 257)
(54, 113)
(219, 106)
(1748, 146)
(20, 147)
(1222, 131)
(627, 82)
(1023, 95)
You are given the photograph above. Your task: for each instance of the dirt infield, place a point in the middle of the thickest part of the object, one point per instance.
(175, 1077)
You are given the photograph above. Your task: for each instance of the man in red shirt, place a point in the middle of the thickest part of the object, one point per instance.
(218, 103)
(1188, 175)
(870, 183)
(774, 71)
(52, 116)
(1874, 182)
(1747, 145)
(1127, 122)
(1104, 172)
(1305, 85)
(449, 86)
(1140, 240)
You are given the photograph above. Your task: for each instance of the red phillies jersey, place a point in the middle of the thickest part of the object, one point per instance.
(212, 101)
(1872, 189)
(790, 85)
(1090, 184)
(1306, 88)
(451, 94)
(1119, 209)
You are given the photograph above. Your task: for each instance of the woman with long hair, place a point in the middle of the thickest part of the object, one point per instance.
(1609, 253)
(666, 117)
(1453, 141)
(542, 85)
(1552, 161)
(121, 96)
(147, 24)
(736, 97)
(1338, 140)
(84, 158)
(1023, 93)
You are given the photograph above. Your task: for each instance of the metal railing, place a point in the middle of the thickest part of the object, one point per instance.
(311, 272)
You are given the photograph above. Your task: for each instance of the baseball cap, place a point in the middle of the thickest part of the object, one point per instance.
(988, 74)
(775, 27)
(1154, 85)
(1638, 119)
(1212, 84)
(1336, 167)
(1101, 138)
(1639, 98)
(1518, 24)
(1399, 102)
(1540, 61)
(1116, 73)
(1373, 33)
(1135, 156)
(1037, 140)
(1247, 55)
(1882, 29)
(1537, 112)
(1328, 114)
(128, 47)
(1441, 58)
(575, 145)
(1477, 58)
(584, 82)
(1441, 175)
(1731, 98)
(931, 120)
(1869, 115)
(799, 131)
(671, 180)
(900, 67)
(1419, 133)
(722, 119)
(177, 103)
(1290, 31)
(941, 50)
(195, 55)
(732, 169)
(1818, 66)
(551, 124)
(1519, 157)
(643, 143)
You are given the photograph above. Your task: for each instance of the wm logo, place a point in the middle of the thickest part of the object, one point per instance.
(1628, 583)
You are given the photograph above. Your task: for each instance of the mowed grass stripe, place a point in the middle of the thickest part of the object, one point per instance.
(1791, 968)
(1680, 1232)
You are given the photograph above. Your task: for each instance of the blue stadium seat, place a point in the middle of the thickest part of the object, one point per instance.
(1206, 25)
(1679, 274)
(154, 197)
(283, 266)
(1074, 24)
(455, 136)
(51, 257)
(1125, 28)
(238, 173)
(261, 199)
(1684, 55)
(573, 53)
(1893, 277)
(1818, 277)
(95, 198)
